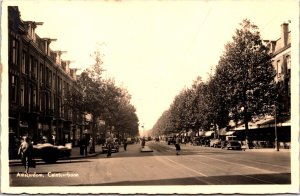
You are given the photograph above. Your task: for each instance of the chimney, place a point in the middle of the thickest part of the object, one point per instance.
(47, 42)
(284, 34)
(58, 56)
(31, 26)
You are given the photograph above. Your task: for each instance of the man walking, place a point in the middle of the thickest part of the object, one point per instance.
(177, 145)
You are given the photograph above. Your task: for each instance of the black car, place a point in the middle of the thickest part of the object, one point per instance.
(171, 140)
(51, 153)
(233, 145)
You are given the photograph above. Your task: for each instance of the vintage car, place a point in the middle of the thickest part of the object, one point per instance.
(51, 153)
(233, 145)
(171, 140)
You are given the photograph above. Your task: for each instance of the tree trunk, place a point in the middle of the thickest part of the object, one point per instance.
(246, 119)
(94, 123)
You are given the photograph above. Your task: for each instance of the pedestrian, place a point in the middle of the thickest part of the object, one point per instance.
(177, 145)
(143, 142)
(108, 150)
(25, 151)
(125, 144)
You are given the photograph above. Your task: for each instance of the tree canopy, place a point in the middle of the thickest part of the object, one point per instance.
(242, 87)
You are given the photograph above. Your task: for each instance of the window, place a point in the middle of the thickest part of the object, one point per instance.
(52, 102)
(40, 101)
(23, 63)
(288, 62)
(30, 65)
(15, 47)
(59, 84)
(41, 73)
(29, 98)
(46, 75)
(22, 95)
(278, 67)
(35, 68)
(50, 78)
(34, 97)
(54, 81)
(13, 88)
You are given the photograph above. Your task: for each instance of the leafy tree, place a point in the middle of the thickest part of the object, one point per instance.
(245, 69)
(103, 100)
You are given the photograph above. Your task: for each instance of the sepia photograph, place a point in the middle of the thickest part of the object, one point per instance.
(149, 97)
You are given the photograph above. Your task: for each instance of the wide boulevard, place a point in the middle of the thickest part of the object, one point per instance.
(194, 166)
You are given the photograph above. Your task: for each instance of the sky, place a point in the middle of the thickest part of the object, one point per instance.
(152, 48)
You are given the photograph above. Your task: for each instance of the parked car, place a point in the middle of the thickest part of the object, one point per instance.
(233, 145)
(171, 140)
(216, 143)
(51, 153)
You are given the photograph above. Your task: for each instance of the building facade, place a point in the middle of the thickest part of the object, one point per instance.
(281, 60)
(39, 81)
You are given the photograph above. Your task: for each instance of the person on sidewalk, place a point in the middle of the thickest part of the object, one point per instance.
(108, 150)
(84, 145)
(143, 142)
(177, 145)
(125, 144)
(25, 151)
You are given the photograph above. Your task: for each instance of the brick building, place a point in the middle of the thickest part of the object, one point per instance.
(38, 83)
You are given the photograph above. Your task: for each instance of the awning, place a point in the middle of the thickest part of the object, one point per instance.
(223, 131)
(190, 133)
(230, 132)
(208, 133)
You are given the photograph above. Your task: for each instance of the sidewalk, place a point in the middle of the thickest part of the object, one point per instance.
(247, 149)
(75, 154)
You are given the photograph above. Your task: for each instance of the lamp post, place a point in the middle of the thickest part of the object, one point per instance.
(276, 138)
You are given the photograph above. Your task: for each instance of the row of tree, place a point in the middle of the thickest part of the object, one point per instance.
(242, 87)
(103, 100)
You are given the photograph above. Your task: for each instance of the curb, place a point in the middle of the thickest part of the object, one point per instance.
(15, 161)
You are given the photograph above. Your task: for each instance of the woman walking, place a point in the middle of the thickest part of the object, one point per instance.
(25, 151)
(177, 145)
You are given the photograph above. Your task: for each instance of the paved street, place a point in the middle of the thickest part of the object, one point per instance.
(194, 166)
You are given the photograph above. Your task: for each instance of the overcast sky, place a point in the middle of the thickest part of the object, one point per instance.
(152, 48)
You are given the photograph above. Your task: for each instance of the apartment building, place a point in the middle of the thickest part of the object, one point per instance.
(281, 60)
(39, 81)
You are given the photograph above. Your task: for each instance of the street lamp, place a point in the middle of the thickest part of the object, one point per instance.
(276, 138)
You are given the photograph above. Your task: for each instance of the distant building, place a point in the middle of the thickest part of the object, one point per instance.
(38, 83)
